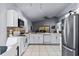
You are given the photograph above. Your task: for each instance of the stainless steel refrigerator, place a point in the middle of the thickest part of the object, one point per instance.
(70, 39)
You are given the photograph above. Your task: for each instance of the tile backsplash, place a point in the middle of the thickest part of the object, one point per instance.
(15, 31)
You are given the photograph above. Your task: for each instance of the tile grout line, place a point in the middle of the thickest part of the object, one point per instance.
(25, 51)
(31, 52)
(47, 51)
(39, 50)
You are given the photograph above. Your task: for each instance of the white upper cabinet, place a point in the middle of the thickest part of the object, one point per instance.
(12, 18)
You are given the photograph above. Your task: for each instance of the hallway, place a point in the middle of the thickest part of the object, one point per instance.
(43, 50)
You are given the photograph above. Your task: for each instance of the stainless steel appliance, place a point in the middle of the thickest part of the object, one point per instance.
(20, 23)
(70, 41)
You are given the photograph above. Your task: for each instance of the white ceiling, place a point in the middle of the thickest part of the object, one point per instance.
(36, 11)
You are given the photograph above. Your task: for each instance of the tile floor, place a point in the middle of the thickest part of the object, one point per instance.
(43, 50)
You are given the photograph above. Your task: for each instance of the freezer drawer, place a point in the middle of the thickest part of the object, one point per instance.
(67, 51)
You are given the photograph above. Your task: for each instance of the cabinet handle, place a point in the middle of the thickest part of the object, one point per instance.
(56, 37)
(17, 50)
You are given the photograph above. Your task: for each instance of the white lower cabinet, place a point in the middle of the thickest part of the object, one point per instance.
(40, 38)
(47, 38)
(36, 39)
(50, 39)
(58, 38)
(23, 43)
(31, 40)
(53, 39)
(44, 39)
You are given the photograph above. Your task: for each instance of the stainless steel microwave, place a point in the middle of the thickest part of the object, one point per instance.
(20, 23)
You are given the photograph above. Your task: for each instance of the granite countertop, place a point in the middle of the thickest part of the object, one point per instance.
(24, 35)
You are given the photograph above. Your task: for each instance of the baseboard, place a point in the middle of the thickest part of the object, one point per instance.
(44, 44)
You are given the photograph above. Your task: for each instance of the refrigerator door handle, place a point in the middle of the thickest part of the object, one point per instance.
(72, 50)
(65, 32)
(74, 35)
(68, 28)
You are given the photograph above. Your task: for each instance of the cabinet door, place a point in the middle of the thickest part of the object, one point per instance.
(36, 39)
(12, 18)
(58, 38)
(47, 38)
(15, 19)
(9, 18)
(31, 40)
(22, 44)
(40, 38)
(28, 38)
(21, 47)
(53, 39)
